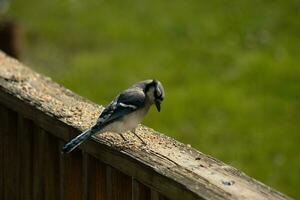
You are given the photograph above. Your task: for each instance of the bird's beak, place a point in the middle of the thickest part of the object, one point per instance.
(157, 104)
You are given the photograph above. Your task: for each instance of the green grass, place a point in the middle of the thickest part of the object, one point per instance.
(231, 70)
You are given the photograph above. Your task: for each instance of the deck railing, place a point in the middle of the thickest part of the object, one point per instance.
(37, 116)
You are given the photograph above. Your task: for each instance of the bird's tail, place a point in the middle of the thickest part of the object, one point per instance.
(75, 142)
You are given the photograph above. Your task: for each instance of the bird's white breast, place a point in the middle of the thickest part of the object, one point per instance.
(128, 122)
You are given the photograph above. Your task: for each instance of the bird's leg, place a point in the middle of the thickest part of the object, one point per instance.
(122, 136)
(125, 142)
(134, 132)
(122, 145)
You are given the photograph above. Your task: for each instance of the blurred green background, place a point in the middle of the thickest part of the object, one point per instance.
(230, 70)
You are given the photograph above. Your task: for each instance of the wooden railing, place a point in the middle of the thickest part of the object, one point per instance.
(37, 116)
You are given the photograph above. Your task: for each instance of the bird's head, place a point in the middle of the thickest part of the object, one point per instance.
(154, 92)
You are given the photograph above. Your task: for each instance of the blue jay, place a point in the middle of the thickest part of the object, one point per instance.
(125, 112)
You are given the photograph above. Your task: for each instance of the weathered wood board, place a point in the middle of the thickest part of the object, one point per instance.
(51, 114)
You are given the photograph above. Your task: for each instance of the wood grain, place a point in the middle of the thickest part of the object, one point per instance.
(121, 185)
(10, 163)
(51, 171)
(96, 179)
(38, 163)
(72, 175)
(140, 191)
(25, 131)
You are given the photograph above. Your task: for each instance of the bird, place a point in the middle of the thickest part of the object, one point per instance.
(125, 112)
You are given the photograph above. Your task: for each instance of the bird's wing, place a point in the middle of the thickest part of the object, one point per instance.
(128, 101)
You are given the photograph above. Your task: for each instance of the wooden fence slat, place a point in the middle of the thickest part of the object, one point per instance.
(2, 117)
(25, 131)
(51, 171)
(96, 179)
(109, 182)
(61, 171)
(38, 164)
(84, 179)
(157, 196)
(118, 185)
(140, 191)
(72, 175)
(154, 195)
(10, 154)
(121, 185)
